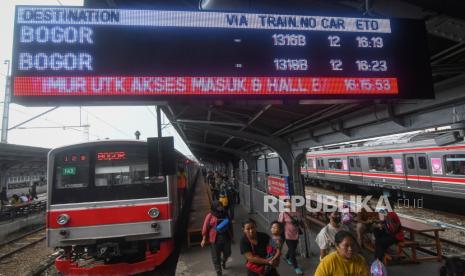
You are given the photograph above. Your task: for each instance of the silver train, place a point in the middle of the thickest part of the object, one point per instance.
(418, 165)
(103, 207)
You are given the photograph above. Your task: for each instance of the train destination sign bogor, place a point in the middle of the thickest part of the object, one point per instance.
(74, 55)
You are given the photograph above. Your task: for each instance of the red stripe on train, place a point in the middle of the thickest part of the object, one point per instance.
(108, 215)
(398, 176)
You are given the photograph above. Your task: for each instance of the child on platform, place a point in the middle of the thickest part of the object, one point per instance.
(273, 249)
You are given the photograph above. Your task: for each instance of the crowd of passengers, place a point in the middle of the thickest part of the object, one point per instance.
(16, 199)
(340, 241)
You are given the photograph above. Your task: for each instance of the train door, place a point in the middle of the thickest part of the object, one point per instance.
(355, 169)
(320, 165)
(418, 172)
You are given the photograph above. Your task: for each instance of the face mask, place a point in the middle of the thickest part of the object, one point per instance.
(337, 220)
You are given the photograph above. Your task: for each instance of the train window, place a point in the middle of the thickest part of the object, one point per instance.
(75, 176)
(455, 164)
(311, 163)
(121, 174)
(410, 163)
(357, 162)
(351, 162)
(422, 163)
(335, 164)
(381, 164)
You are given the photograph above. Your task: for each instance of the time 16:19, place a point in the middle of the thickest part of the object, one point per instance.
(369, 42)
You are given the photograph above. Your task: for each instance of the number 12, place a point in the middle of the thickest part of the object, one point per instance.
(334, 41)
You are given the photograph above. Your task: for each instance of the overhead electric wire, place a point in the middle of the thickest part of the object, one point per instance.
(108, 124)
(151, 112)
(57, 123)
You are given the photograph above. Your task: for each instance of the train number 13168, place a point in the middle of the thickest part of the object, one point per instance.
(289, 40)
(282, 64)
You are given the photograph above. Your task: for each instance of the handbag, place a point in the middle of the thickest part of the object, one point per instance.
(296, 223)
(256, 268)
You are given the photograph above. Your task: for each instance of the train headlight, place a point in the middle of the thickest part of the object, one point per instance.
(63, 219)
(154, 213)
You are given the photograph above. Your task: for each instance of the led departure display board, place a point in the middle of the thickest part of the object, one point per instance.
(79, 55)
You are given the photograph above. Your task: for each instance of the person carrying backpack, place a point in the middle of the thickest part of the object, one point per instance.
(389, 232)
(218, 228)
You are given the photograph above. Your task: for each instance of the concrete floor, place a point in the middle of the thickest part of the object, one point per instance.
(197, 260)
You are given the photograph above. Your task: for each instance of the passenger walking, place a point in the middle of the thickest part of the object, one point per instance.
(33, 191)
(217, 227)
(224, 200)
(216, 185)
(387, 233)
(326, 238)
(233, 198)
(182, 184)
(253, 246)
(345, 260)
(291, 224)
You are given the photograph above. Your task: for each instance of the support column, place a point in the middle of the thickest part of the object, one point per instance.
(250, 179)
(3, 183)
(299, 189)
(6, 106)
(159, 134)
(251, 166)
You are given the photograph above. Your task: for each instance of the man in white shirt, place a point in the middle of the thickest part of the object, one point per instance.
(23, 198)
(325, 239)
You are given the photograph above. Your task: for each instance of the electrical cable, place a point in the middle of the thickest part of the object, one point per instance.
(54, 122)
(108, 124)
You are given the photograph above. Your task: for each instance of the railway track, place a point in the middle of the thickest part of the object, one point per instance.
(44, 265)
(18, 244)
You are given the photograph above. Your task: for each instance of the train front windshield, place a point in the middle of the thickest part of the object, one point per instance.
(104, 173)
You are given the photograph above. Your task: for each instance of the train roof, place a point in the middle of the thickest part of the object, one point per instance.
(401, 141)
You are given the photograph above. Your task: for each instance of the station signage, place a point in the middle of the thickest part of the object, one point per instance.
(278, 186)
(78, 55)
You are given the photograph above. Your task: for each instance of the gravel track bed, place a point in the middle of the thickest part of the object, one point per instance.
(25, 261)
(452, 234)
(51, 271)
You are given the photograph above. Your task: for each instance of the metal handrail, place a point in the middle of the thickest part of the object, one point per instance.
(12, 212)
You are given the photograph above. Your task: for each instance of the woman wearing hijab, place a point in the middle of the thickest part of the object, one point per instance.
(217, 226)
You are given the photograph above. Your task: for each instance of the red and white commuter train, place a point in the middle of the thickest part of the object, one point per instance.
(416, 166)
(105, 211)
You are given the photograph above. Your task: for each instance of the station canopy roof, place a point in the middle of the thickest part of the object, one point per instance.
(18, 159)
(202, 126)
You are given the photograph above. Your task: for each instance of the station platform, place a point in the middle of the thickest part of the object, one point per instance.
(195, 260)
(32, 215)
